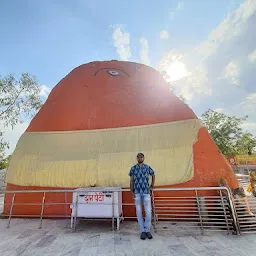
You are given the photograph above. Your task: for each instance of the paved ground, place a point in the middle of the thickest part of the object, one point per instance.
(95, 238)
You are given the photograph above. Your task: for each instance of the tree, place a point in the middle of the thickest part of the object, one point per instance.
(3, 146)
(228, 134)
(19, 99)
(4, 163)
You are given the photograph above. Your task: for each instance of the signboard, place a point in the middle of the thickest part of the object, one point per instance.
(232, 160)
(94, 197)
(242, 160)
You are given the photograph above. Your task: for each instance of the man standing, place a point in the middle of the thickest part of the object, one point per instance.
(139, 185)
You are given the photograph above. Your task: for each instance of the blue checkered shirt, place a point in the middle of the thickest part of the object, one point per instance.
(141, 178)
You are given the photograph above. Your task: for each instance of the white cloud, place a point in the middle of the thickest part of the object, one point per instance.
(249, 102)
(220, 110)
(198, 82)
(144, 51)
(251, 97)
(12, 136)
(232, 72)
(186, 83)
(230, 27)
(121, 41)
(244, 105)
(250, 127)
(247, 107)
(172, 64)
(252, 56)
(214, 58)
(179, 7)
(164, 34)
(176, 70)
(167, 58)
(45, 90)
(185, 92)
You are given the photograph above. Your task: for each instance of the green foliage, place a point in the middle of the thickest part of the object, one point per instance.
(228, 134)
(4, 163)
(19, 99)
(3, 146)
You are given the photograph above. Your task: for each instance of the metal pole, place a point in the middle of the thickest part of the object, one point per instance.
(10, 216)
(224, 210)
(113, 211)
(199, 211)
(42, 211)
(153, 211)
(233, 211)
(74, 228)
(66, 205)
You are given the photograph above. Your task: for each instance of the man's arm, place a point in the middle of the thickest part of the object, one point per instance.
(152, 173)
(153, 181)
(131, 185)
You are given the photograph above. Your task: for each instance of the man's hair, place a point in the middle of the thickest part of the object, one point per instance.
(140, 154)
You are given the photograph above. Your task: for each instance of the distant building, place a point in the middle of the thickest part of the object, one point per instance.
(243, 164)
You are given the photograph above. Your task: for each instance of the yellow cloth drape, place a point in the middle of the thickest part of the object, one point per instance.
(104, 157)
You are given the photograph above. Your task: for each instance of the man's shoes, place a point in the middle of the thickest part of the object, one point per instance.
(149, 236)
(143, 236)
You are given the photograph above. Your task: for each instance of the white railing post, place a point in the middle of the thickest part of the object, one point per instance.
(10, 213)
(153, 210)
(199, 211)
(42, 211)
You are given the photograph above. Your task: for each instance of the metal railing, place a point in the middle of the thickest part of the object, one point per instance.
(76, 204)
(246, 214)
(243, 180)
(195, 210)
(245, 207)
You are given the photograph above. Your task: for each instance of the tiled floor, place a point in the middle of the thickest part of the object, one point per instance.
(96, 238)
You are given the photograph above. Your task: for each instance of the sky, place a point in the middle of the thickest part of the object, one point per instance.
(206, 48)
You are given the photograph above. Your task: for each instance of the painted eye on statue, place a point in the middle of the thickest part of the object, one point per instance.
(113, 72)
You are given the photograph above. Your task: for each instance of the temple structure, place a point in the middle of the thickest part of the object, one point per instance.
(92, 125)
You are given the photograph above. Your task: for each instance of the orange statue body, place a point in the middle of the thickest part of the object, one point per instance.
(113, 94)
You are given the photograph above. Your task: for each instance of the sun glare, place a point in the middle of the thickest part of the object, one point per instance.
(176, 70)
